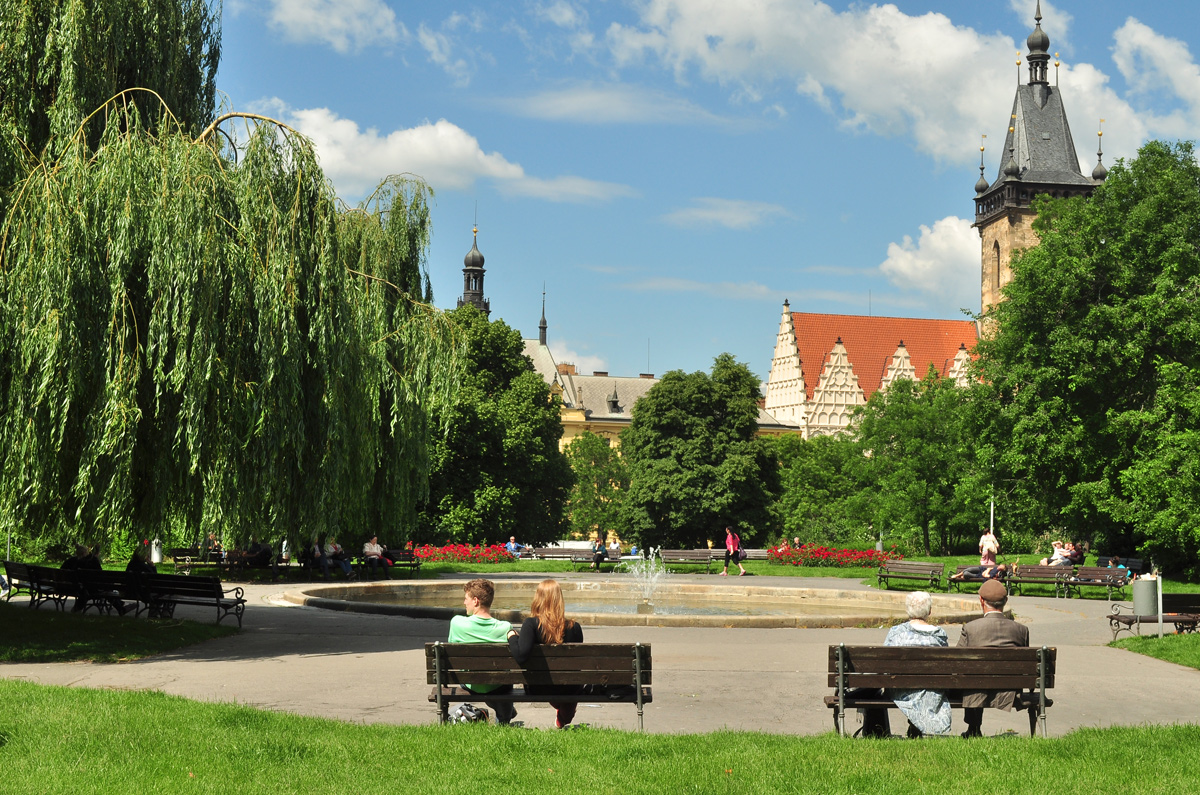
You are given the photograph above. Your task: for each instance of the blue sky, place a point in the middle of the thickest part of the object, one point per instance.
(672, 170)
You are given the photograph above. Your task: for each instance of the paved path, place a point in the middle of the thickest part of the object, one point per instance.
(333, 664)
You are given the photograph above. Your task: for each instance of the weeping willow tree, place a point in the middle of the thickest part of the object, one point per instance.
(190, 344)
(62, 59)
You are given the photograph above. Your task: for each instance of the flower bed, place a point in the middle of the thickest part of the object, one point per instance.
(463, 553)
(827, 557)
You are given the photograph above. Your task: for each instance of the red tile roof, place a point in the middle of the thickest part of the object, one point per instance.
(871, 341)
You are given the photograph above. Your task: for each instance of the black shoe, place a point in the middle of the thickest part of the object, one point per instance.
(972, 731)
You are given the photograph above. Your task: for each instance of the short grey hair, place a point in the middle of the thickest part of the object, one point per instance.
(919, 604)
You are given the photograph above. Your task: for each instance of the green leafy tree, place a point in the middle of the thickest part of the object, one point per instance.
(184, 351)
(497, 470)
(821, 479)
(1095, 316)
(916, 456)
(695, 464)
(61, 61)
(601, 483)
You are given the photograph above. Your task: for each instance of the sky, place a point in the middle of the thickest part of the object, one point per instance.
(670, 171)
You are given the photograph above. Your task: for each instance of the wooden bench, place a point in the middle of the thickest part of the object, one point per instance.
(401, 559)
(1181, 610)
(911, 570)
(623, 668)
(1135, 566)
(1096, 577)
(959, 578)
(19, 579)
(47, 584)
(110, 591)
(691, 557)
(950, 670)
(163, 592)
(1039, 575)
(184, 558)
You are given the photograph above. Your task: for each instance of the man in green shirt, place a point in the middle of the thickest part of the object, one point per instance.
(478, 626)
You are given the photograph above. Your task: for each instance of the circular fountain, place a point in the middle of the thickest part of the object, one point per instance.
(621, 601)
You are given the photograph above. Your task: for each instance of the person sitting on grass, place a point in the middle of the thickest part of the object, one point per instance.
(548, 624)
(478, 626)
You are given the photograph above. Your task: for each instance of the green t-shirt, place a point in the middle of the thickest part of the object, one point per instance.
(473, 629)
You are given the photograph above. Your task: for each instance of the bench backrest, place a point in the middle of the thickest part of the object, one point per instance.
(1102, 574)
(1181, 603)
(942, 668)
(16, 571)
(611, 664)
(558, 553)
(163, 585)
(1134, 565)
(668, 555)
(913, 567)
(1041, 572)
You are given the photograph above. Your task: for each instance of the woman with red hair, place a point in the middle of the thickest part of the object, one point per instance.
(548, 624)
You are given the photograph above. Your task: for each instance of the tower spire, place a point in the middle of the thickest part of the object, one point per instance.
(473, 277)
(542, 324)
(1039, 50)
(1099, 173)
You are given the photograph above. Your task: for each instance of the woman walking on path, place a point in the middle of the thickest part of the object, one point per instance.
(733, 547)
(548, 624)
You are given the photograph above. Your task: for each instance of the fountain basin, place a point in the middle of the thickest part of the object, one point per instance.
(616, 603)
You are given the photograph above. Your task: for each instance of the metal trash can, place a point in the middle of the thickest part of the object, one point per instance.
(1145, 596)
(156, 552)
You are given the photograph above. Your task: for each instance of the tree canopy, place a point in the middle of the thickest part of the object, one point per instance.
(496, 471)
(601, 483)
(695, 464)
(1093, 353)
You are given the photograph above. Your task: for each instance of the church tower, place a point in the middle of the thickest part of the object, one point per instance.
(473, 278)
(1038, 158)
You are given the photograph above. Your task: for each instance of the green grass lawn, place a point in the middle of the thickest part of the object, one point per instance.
(66, 740)
(46, 635)
(1181, 649)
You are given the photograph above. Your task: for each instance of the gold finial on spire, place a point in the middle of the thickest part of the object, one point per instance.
(1056, 65)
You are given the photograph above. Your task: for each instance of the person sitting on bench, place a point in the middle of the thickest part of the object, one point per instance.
(547, 623)
(993, 629)
(981, 572)
(478, 626)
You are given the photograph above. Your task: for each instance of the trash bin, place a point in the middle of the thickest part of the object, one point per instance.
(156, 552)
(1145, 596)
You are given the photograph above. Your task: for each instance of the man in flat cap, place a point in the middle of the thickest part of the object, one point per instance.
(993, 629)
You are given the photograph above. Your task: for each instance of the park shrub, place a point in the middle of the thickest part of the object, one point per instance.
(827, 557)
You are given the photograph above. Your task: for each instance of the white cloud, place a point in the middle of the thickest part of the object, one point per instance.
(443, 154)
(438, 47)
(585, 364)
(562, 14)
(1150, 63)
(944, 261)
(567, 189)
(724, 290)
(344, 25)
(613, 103)
(890, 73)
(729, 213)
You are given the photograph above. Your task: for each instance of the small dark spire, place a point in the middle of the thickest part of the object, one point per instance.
(1039, 49)
(839, 341)
(1100, 173)
(542, 324)
(981, 184)
(901, 345)
(1011, 169)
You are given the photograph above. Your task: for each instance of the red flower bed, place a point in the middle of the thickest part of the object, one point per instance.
(811, 555)
(464, 553)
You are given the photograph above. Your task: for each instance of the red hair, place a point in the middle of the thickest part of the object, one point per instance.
(547, 608)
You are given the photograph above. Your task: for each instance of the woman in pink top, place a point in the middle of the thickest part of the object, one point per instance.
(733, 544)
(988, 547)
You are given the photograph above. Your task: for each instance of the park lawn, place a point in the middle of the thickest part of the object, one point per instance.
(69, 740)
(1182, 649)
(47, 635)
